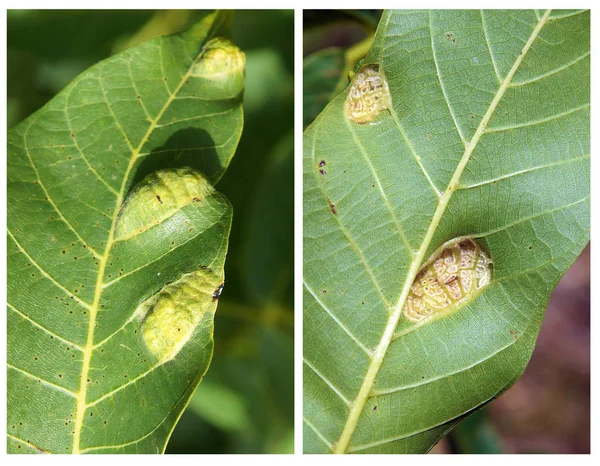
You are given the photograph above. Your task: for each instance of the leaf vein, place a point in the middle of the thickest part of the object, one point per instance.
(333, 388)
(46, 274)
(41, 327)
(43, 381)
(337, 321)
(442, 86)
(538, 122)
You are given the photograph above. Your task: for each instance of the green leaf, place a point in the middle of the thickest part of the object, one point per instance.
(221, 406)
(117, 242)
(476, 435)
(482, 130)
(321, 73)
(268, 255)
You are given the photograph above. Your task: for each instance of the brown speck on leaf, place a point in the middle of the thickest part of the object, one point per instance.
(195, 199)
(332, 207)
(322, 163)
(159, 199)
(450, 37)
(322, 172)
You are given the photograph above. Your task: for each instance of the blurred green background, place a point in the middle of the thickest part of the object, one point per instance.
(548, 408)
(245, 403)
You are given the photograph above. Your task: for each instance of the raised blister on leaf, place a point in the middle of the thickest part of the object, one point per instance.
(456, 273)
(368, 95)
(157, 197)
(223, 64)
(171, 315)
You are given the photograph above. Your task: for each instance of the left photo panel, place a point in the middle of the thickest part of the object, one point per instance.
(150, 219)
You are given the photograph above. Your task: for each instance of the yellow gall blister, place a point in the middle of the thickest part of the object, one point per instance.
(368, 95)
(170, 317)
(454, 275)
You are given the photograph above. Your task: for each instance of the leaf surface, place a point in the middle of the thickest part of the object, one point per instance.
(114, 247)
(487, 136)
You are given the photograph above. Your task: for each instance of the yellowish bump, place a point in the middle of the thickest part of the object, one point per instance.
(455, 274)
(157, 197)
(223, 64)
(171, 316)
(368, 95)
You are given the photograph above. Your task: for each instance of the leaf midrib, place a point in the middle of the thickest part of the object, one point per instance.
(357, 406)
(89, 347)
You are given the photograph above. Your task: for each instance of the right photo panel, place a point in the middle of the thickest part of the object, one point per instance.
(446, 218)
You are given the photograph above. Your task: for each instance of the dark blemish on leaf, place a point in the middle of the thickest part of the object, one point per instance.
(422, 376)
(91, 414)
(139, 96)
(159, 200)
(375, 408)
(362, 302)
(324, 291)
(332, 207)
(450, 37)
(217, 292)
(514, 334)
(322, 172)
(195, 199)
(72, 135)
(322, 163)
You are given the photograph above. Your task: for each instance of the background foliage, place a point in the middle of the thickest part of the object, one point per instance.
(245, 403)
